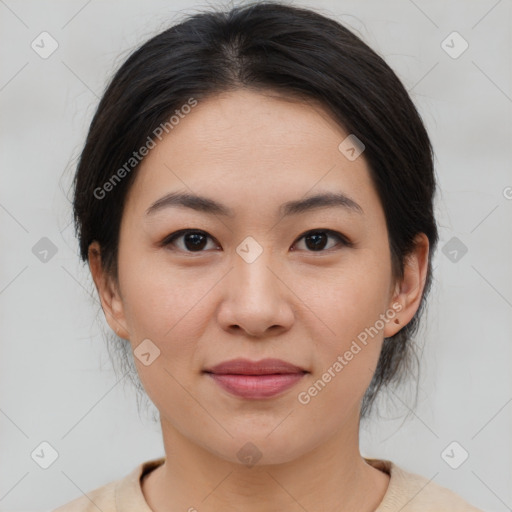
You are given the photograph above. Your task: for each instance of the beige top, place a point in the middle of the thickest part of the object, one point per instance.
(407, 492)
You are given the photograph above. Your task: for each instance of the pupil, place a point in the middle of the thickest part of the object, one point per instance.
(193, 241)
(197, 241)
(318, 240)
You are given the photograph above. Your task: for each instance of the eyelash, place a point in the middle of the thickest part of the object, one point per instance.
(342, 240)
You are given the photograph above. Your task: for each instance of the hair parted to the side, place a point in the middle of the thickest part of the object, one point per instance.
(299, 54)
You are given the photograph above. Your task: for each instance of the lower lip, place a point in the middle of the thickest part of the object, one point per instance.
(256, 386)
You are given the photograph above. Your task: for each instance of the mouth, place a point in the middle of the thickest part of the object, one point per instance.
(256, 379)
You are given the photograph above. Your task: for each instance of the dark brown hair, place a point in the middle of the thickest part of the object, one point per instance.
(297, 53)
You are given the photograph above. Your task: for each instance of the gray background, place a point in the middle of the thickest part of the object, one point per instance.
(56, 381)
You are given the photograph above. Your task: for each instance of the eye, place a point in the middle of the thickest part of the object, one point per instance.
(316, 240)
(193, 240)
(197, 241)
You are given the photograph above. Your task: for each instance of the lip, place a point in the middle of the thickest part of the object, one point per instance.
(256, 379)
(242, 366)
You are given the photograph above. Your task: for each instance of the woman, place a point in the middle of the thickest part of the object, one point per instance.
(255, 203)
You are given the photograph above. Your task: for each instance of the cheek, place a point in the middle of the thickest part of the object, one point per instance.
(159, 300)
(347, 345)
(351, 298)
(167, 307)
(349, 333)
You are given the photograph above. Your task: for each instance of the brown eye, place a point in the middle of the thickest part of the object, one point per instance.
(197, 241)
(192, 240)
(317, 240)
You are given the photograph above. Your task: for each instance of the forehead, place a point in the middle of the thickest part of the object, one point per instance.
(252, 148)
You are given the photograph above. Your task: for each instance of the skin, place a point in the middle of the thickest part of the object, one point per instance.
(253, 151)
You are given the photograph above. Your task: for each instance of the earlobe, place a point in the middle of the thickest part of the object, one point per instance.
(108, 292)
(409, 291)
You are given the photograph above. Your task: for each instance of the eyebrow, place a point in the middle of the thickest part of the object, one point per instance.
(207, 205)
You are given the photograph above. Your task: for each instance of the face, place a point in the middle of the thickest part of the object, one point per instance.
(251, 274)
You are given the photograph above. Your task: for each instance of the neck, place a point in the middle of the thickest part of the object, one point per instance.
(333, 474)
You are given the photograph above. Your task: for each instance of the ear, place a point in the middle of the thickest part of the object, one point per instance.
(110, 297)
(408, 292)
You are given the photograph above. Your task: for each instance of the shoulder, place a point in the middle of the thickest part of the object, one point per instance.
(122, 495)
(102, 498)
(410, 492)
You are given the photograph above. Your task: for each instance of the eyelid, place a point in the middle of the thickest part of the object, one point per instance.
(169, 239)
(329, 232)
(342, 239)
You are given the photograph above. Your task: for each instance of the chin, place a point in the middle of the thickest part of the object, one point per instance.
(256, 447)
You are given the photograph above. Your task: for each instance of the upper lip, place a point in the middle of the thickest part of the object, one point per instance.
(247, 367)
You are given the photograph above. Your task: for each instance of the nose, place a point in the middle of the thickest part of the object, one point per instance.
(257, 300)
